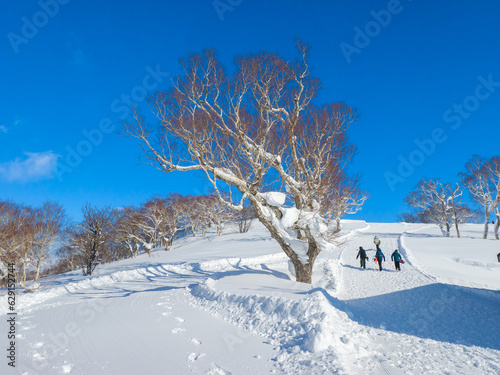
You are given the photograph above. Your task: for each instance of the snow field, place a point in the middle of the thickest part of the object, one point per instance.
(227, 305)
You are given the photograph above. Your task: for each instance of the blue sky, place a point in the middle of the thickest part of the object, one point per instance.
(424, 76)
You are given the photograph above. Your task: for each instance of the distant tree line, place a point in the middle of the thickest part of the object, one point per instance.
(442, 203)
(40, 241)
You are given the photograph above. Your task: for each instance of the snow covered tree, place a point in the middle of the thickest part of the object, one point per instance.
(128, 229)
(218, 213)
(251, 129)
(346, 199)
(435, 202)
(482, 179)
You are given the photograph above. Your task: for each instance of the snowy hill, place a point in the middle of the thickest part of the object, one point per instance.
(228, 305)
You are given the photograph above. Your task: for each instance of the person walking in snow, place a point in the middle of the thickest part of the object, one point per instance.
(362, 256)
(379, 256)
(396, 257)
(376, 241)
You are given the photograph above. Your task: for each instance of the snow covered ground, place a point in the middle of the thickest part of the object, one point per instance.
(227, 305)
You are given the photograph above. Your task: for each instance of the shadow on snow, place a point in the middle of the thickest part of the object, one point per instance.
(442, 312)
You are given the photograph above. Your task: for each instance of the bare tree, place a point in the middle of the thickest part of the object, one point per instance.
(494, 169)
(92, 236)
(345, 199)
(14, 239)
(248, 129)
(218, 213)
(454, 192)
(128, 227)
(482, 179)
(409, 217)
(432, 197)
(245, 218)
(49, 222)
(465, 214)
(196, 214)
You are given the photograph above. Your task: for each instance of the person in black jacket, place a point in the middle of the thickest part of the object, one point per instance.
(362, 256)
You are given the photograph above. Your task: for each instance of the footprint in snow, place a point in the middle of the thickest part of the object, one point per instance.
(195, 341)
(216, 370)
(177, 330)
(194, 356)
(67, 368)
(38, 345)
(179, 319)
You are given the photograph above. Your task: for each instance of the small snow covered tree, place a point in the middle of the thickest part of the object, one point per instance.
(154, 223)
(434, 200)
(248, 129)
(346, 199)
(129, 230)
(482, 179)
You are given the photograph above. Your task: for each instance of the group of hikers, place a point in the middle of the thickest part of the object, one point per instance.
(379, 256)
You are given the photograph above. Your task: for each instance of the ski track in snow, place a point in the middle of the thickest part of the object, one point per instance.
(350, 321)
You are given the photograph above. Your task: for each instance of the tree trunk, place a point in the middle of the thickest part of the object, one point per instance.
(303, 272)
(486, 222)
(497, 224)
(455, 216)
(37, 274)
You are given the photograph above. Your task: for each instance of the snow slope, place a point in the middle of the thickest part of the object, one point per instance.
(227, 305)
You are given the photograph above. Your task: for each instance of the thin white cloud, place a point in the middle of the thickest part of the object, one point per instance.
(3, 129)
(35, 166)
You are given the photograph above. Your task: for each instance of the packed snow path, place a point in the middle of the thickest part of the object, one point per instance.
(411, 302)
(227, 305)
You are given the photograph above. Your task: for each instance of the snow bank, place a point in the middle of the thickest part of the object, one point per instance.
(27, 300)
(461, 261)
(311, 323)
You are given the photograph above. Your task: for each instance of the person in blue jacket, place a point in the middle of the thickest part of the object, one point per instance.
(379, 256)
(396, 257)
